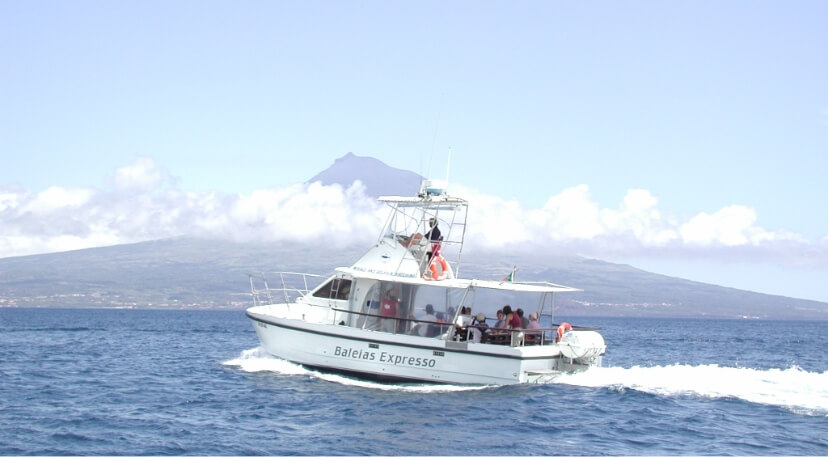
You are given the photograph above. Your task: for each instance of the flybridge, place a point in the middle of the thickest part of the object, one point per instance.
(430, 223)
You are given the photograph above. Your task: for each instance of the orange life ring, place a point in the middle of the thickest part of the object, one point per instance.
(563, 328)
(435, 275)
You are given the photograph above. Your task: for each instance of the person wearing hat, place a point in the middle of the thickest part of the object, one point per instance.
(480, 327)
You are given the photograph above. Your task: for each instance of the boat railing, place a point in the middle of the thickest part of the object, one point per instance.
(445, 330)
(292, 285)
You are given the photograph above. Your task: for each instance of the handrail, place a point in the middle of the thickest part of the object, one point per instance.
(540, 332)
(285, 289)
(576, 327)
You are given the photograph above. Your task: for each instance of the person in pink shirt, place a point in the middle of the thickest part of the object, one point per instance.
(533, 321)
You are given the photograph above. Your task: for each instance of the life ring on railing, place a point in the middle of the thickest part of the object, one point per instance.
(435, 275)
(563, 328)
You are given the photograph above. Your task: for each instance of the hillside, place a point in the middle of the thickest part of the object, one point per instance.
(192, 273)
(197, 273)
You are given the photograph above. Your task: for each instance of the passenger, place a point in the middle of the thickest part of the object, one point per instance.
(501, 320)
(413, 240)
(479, 328)
(344, 292)
(533, 321)
(441, 320)
(513, 323)
(480, 321)
(426, 329)
(462, 323)
(388, 310)
(512, 319)
(463, 319)
(524, 322)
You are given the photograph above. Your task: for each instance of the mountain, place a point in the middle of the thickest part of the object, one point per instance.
(193, 273)
(379, 179)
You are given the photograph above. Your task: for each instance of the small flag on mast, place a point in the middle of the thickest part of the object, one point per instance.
(511, 276)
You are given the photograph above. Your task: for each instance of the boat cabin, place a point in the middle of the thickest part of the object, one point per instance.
(459, 310)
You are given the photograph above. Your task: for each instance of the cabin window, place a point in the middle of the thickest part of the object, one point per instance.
(336, 288)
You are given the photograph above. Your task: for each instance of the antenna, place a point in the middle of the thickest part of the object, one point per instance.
(448, 166)
(434, 136)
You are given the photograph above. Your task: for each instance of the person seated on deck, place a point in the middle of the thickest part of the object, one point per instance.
(533, 334)
(501, 320)
(479, 328)
(462, 323)
(497, 333)
(413, 240)
(513, 323)
(533, 321)
(524, 322)
(424, 328)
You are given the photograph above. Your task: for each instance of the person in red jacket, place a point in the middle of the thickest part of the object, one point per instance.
(388, 309)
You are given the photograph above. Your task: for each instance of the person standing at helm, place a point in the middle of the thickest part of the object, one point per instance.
(433, 233)
(434, 237)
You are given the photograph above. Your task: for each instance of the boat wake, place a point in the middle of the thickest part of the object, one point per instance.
(257, 360)
(794, 389)
(799, 391)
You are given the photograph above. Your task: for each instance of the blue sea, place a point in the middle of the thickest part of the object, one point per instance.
(153, 382)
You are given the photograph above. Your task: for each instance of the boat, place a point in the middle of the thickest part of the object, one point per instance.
(403, 313)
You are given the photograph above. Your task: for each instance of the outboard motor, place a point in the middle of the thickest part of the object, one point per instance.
(582, 346)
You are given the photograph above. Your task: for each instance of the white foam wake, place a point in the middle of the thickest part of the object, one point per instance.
(793, 388)
(257, 359)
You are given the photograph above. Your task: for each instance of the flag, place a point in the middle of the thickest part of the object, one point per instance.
(510, 277)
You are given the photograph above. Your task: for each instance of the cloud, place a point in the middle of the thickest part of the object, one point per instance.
(572, 223)
(144, 204)
(730, 226)
(55, 198)
(142, 175)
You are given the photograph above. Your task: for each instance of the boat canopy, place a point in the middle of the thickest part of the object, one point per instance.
(536, 287)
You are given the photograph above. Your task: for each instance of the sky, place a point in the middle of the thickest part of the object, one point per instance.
(683, 138)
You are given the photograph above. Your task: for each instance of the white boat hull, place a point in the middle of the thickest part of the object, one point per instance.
(293, 335)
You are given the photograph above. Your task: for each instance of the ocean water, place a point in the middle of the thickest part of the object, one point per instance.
(142, 382)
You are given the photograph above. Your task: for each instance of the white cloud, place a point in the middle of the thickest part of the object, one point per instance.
(8, 200)
(730, 226)
(142, 175)
(55, 199)
(141, 207)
